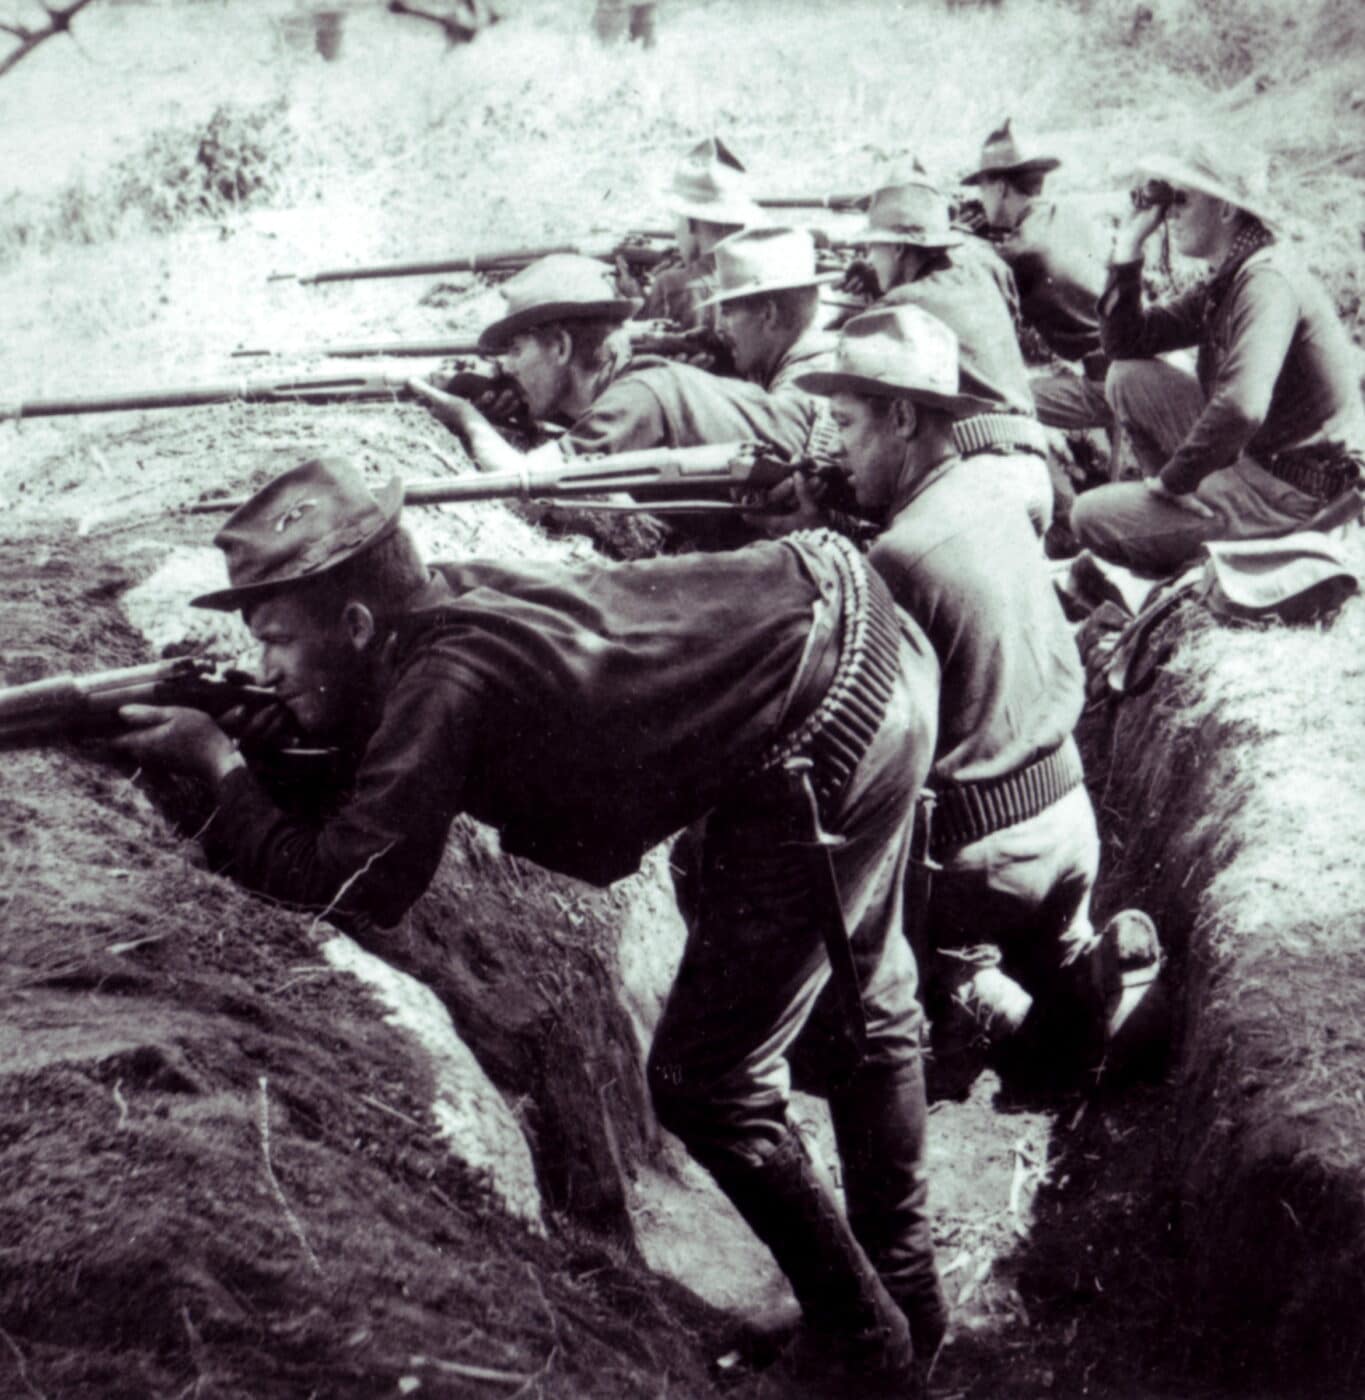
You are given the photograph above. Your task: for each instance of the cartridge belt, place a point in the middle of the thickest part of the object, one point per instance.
(837, 732)
(967, 812)
(997, 432)
(1322, 471)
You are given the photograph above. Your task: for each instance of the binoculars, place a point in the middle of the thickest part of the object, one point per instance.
(1157, 194)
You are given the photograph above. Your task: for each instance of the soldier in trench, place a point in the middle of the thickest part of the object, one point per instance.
(1271, 428)
(1002, 930)
(587, 713)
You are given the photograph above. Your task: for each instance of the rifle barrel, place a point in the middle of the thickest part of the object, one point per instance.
(379, 349)
(839, 203)
(643, 249)
(644, 472)
(319, 389)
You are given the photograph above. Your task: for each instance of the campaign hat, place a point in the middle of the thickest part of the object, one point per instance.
(560, 287)
(759, 260)
(898, 352)
(912, 212)
(710, 184)
(1005, 154)
(299, 526)
(1241, 178)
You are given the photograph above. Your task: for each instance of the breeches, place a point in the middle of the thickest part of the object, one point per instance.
(755, 972)
(1156, 405)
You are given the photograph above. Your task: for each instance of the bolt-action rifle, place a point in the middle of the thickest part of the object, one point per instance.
(646, 338)
(643, 249)
(838, 203)
(85, 706)
(657, 481)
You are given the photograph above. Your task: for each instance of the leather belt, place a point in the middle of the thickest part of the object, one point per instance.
(996, 432)
(967, 812)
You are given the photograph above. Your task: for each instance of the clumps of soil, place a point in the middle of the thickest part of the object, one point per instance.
(219, 1169)
(1240, 833)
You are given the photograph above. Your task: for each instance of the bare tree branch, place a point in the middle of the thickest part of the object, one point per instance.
(59, 19)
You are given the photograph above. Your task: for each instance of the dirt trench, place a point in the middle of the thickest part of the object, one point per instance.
(1228, 795)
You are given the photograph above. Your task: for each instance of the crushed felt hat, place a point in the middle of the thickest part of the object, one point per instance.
(1297, 578)
(758, 260)
(1005, 154)
(1240, 177)
(560, 287)
(894, 352)
(711, 185)
(300, 525)
(912, 212)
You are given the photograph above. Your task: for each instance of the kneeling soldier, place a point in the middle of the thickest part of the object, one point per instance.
(587, 713)
(1006, 934)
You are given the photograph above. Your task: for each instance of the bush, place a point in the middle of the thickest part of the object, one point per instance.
(236, 159)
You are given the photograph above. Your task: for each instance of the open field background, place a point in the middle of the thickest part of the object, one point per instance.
(153, 175)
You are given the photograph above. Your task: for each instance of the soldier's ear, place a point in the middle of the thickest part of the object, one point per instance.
(904, 417)
(359, 623)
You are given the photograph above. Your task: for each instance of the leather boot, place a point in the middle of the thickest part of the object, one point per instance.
(849, 1315)
(879, 1123)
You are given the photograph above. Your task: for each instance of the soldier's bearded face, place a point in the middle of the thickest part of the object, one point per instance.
(540, 370)
(314, 667)
(743, 325)
(874, 451)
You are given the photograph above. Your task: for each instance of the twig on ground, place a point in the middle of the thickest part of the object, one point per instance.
(122, 1105)
(295, 1224)
(473, 1373)
(22, 1364)
(394, 1112)
(345, 887)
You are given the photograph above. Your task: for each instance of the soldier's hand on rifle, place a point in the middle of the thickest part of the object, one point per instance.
(860, 280)
(179, 738)
(793, 504)
(457, 414)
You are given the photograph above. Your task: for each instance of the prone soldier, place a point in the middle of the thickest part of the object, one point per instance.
(587, 713)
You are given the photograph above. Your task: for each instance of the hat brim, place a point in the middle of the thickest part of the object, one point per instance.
(1040, 165)
(390, 500)
(1178, 172)
(825, 382)
(870, 235)
(737, 215)
(819, 279)
(494, 339)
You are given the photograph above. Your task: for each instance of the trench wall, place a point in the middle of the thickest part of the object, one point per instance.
(1233, 788)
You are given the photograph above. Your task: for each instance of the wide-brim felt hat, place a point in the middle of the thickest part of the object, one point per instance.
(711, 185)
(911, 212)
(299, 526)
(1243, 182)
(1004, 154)
(756, 261)
(895, 352)
(561, 287)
